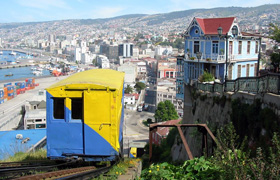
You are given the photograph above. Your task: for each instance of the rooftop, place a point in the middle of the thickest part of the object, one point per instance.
(35, 114)
(210, 25)
(10, 144)
(163, 131)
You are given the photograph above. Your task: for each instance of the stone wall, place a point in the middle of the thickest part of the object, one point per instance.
(213, 109)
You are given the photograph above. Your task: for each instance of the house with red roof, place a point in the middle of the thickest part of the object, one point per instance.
(161, 132)
(218, 46)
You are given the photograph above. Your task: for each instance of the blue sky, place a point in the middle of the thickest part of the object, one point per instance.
(46, 10)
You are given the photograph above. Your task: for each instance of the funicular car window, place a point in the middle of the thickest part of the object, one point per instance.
(58, 108)
(77, 108)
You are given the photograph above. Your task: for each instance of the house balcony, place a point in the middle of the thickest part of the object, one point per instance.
(209, 58)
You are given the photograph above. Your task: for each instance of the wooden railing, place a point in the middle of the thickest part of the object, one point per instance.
(269, 83)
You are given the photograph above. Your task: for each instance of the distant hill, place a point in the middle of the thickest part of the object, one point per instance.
(157, 19)
(258, 15)
(102, 20)
(249, 12)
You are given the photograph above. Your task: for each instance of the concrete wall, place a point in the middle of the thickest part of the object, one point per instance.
(214, 115)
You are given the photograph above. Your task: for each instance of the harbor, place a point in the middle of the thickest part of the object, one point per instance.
(15, 64)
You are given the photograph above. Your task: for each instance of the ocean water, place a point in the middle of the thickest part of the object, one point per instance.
(18, 73)
(5, 57)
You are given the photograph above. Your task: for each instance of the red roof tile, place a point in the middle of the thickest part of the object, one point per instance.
(163, 131)
(136, 96)
(211, 25)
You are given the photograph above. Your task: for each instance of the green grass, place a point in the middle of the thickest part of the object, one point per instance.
(40, 154)
(119, 169)
(147, 122)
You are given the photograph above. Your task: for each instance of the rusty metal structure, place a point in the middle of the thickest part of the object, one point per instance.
(203, 128)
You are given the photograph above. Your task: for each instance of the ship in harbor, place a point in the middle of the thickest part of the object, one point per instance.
(13, 53)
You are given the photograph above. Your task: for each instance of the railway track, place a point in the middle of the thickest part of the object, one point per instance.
(6, 165)
(18, 169)
(74, 173)
(66, 170)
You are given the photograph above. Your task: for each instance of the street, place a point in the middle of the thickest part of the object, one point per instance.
(133, 129)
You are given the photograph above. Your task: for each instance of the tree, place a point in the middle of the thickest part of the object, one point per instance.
(275, 56)
(274, 32)
(94, 62)
(275, 61)
(165, 111)
(139, 86)
(128, 89)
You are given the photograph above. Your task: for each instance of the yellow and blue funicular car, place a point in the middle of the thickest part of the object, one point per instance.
(137, 149)
(85, 116)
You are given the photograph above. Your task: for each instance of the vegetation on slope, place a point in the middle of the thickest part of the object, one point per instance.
(40, 154)
(233, 161)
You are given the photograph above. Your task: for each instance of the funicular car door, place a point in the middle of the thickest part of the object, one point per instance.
(65, 127)
(97, 122)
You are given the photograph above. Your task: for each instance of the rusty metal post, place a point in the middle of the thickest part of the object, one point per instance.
(205, 142)
(150, 144)
(185, 142)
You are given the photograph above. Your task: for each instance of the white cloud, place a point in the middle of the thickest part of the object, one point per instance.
(44, 4)
(106, 12)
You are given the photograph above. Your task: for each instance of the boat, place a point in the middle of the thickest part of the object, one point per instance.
(37, 73)
(8, 75)
(1, 52)
(13, 53)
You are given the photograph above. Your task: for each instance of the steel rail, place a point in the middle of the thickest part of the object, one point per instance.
(16, 171)
(89, 174)
(6, 165)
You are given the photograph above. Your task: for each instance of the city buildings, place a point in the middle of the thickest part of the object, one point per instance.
(166, 69)
(103, 62)
(130, 71)
(166, 90)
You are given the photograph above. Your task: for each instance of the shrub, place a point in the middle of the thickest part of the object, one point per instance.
(198, 168)
(206, 77)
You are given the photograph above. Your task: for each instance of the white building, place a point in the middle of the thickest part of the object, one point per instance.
(130, 71)
(64, 43)
(52, 38)
(129, 99)
(103, 62)
(35, 119)
(83, 44)
(69, 38)
(87, 58)
(73, 42)
(35, 115)
(135, 52)
(163, 50)
(141, 68)
(77, 54)
(148, 53)
(166, 90)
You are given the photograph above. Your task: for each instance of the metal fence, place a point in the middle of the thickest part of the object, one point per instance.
(269, 83)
